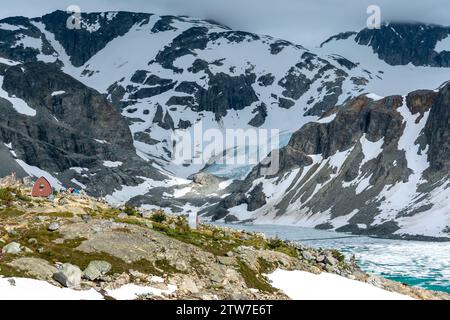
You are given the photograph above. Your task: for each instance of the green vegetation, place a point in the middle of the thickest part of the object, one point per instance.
(6, 196)
(131, 221)
(281, 246)
(253, 279)
(164, 265)
(197, 266)
(158, 216)
(338, 255)
(67, 253)
(65, 214)
(22, 197)
(216, 241)
(11, 212)
(131, 211)
(208, 238)
(216, 245)
(265, 266)
(8, 271)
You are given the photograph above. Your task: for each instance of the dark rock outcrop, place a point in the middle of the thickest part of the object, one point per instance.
(437, 131)
(77, 127)
(96, 31)
(404, 43)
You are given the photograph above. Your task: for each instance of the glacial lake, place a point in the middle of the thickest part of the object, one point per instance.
(416, 263)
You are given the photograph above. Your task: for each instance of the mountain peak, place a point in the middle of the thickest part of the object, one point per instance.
(402, 43)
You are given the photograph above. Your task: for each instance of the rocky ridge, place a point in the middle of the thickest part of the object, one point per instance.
(370, 167)
(74, 131)
(404, 43)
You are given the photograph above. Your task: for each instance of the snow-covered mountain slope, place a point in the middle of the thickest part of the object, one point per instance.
(374, 166)
(404, 43)
(177, 71)
(393, 77)
(171, 72)
(163, 73)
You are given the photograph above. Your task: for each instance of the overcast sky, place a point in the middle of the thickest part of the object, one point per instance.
(301, 21)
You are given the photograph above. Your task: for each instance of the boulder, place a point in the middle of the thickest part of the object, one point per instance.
(68, 276)
(226, 261)
(330, 260)
(146, 214)
(54, 226)
(96, 269)
(38, 268)
(189, 285)
(12, 248)
(307, 256)
(205, 179)
(86, 217)
(181, 265)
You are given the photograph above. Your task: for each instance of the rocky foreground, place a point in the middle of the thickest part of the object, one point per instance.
(82, 243)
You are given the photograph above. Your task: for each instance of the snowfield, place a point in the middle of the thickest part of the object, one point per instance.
(30, 289)
(18, 104)
(300, 285)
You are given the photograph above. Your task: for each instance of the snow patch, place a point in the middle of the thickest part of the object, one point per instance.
(18, 104)
(132, 291)
(327, 119)
(10, 27)
(371, 150)
(8, 62)
(112, 164)
(37, 172)
(300, 285)
(78, 169)
(58, 93)
(178, 193)
(374, 96)
(30, 289)
(225, 184)
(78, 183)
(443, 45)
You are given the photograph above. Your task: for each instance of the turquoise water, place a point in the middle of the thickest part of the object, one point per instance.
(420, 264)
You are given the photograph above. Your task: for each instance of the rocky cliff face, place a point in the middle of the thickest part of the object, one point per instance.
(54, 122)
(369, 168)
(404, 43)
(96, 31)
(53, 93)
(437, 131)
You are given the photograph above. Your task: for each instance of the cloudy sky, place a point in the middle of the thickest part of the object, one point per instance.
(307, 22)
